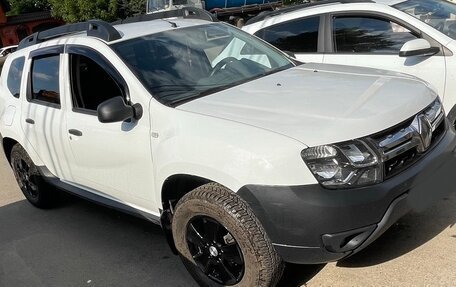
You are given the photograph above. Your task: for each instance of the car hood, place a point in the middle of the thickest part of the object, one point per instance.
(320, 104)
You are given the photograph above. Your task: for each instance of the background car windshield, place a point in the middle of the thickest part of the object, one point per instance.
(439, 14)
(181, 64)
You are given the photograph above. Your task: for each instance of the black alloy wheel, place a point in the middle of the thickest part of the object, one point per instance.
(215, 251)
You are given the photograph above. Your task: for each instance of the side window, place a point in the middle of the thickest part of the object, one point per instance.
(297, 36)
(45, 79)
(369, 35)
(15, 76)
(91, 84)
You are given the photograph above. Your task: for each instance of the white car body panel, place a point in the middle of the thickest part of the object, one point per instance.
(314, 116)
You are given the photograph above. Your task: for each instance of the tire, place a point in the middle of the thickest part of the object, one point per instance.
(31, 183)
(212, 225)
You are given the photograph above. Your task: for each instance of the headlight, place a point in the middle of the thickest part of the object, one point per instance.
(344, 165)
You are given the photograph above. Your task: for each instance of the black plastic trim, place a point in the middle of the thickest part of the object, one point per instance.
(56, 182)
(47, 51)
(94, 28)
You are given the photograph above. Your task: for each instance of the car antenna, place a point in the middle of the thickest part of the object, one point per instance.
(174, 25)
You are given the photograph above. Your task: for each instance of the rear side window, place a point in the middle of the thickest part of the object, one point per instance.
(45, 79)
(15, 76)
(369, 35)
(297, 36)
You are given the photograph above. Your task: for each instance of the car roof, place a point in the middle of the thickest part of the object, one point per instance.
(389, 2)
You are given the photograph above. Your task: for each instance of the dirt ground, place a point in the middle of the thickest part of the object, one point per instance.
(82, 244)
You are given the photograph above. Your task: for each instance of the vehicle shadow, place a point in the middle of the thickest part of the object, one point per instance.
(83, 244)
(409, 233)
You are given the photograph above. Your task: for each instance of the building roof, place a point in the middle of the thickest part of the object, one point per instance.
(28, 17)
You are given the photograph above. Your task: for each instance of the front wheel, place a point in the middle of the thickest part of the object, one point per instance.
(221, 242)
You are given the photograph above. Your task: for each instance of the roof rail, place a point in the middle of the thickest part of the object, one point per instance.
(186, 13)
(105, 31)
(265, 15)
(95, 28)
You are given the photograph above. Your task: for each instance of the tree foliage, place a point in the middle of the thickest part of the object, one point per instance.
(28, 6)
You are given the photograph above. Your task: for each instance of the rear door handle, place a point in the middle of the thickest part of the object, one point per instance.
(30, 121)
(75, 132)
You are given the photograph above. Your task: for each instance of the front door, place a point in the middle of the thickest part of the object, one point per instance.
(373, 41)
(111, 159)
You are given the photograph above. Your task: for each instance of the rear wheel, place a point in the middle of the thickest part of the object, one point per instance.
(221, 242)
(30, 181)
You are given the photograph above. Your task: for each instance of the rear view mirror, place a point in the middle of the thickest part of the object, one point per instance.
(115, 110)
(418, 47)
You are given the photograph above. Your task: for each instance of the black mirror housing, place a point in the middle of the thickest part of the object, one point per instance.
(424, 52)
(115, 110)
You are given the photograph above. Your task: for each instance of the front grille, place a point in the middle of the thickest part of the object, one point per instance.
(402, 146)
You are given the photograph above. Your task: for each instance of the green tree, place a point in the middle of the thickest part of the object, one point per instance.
(82, 10)
(28, 6)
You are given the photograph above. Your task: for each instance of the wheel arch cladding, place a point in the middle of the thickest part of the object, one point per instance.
(8, 144)
(173, 189)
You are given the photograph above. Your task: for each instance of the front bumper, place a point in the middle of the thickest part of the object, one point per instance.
(310, 224)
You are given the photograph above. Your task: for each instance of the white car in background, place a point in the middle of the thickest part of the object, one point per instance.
(7, 50)
(409, 36)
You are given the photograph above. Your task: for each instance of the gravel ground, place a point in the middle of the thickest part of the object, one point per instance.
(82, 244)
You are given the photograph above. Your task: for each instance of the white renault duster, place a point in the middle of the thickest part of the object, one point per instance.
(246, 161)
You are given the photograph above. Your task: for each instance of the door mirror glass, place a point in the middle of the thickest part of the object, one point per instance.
(115, 110)
(418, 47)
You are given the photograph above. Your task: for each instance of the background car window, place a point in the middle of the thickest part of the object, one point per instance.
(15, 76)
(45, 79)
(91, 84)
(369, 35)
(297, 36)
(439, 14)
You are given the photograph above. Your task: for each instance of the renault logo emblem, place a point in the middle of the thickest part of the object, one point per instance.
(423, 130)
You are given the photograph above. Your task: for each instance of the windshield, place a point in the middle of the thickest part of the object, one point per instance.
(439, 14)
(182, 64)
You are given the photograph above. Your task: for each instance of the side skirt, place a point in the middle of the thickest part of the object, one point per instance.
(82, 193)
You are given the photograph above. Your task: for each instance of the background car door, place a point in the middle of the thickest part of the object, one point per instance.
(372, 41)
(113, 159)
(298, 36)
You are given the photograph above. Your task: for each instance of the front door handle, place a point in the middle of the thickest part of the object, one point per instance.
(30, 121)
(75, 132)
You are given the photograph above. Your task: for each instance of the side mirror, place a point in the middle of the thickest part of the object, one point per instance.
(115, 110)
(418, 47)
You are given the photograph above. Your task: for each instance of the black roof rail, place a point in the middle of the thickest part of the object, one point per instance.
(186, 13)
(265, 15)
(94, 28)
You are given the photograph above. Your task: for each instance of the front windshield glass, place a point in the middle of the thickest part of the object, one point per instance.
(440, 14)
(182, 64)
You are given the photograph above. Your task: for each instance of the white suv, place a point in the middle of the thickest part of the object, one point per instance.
(416, 37)
(246, 161)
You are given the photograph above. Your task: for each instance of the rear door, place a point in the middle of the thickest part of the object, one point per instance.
(42, 116)
(298, 36)
(374, 41)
